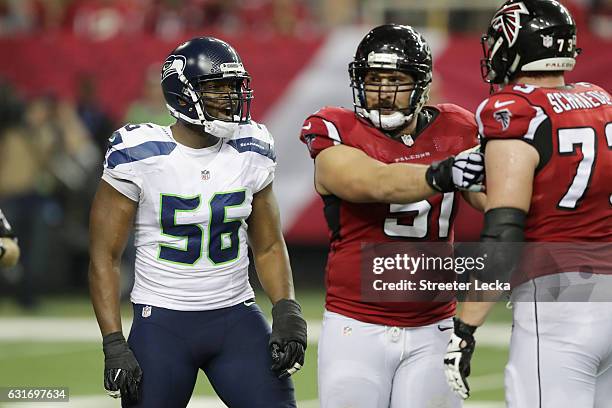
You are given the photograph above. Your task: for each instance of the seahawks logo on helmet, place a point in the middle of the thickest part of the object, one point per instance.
(503, 117)
(175, 64)
(508, 20)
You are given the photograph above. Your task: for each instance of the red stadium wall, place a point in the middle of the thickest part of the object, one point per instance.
(54, 63)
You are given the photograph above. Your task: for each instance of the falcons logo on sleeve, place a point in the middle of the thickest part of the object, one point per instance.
(503, 117)
(508, 20)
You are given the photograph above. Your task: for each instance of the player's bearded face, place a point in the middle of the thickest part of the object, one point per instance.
(388, 91)
(222, 98)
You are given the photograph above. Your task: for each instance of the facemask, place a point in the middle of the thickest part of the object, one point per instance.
(387, 122)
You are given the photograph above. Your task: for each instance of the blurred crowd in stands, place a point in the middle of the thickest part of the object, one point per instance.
(51, 151)
(47, 153)
(103, 19)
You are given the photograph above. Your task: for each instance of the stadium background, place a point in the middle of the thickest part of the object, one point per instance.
(74, 70)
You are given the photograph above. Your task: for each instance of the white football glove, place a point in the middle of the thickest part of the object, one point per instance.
(468, 171)
(462, 172)
(458, 356)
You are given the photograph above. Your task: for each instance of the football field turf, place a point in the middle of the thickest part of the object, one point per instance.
(39, 356)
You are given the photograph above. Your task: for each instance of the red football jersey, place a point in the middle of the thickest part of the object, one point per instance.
(571, 128)
(451, 131)
(572, 131)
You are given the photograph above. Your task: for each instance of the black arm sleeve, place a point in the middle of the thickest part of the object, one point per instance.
(501, 240)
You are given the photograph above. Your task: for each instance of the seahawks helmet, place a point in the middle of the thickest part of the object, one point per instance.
(391, 47)
(206, 85)
(528, 35)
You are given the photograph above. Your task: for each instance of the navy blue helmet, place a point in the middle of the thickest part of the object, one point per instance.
(527, 36)
(205, 84)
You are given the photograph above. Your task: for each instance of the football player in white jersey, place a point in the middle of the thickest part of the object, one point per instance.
(195, 192)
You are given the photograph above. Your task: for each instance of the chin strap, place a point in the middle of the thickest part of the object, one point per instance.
(386, 122)
(221, 129)
(218, 128)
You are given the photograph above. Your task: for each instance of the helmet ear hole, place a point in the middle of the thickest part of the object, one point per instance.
(181, 101)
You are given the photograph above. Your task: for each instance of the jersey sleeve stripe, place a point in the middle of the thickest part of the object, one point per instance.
(478, 119)
(535, 122)
(332, 132)
(251, 144)
(139, 152)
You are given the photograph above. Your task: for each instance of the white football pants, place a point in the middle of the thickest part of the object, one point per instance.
(364, 365)
(560, 354)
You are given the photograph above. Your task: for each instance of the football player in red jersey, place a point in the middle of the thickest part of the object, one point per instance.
(548, 159)
(374, 171)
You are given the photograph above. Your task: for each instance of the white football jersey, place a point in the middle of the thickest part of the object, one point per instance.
(190, 227)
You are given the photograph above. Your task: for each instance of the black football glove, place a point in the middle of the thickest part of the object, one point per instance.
(288, 338)
(462, 172)
(458, 356)
(122, 374)
(5, 228)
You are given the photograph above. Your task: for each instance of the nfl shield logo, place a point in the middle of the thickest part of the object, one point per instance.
(146, 311)
(408, 140)
(547, 40)
(205, 174)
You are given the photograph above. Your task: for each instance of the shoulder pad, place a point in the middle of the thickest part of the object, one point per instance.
(592, 87)
(254, 137)
(337, 115)
(508, 116)
(133, 143)
(462, 124)
(255, 130)
(457, 115)
(322, 129)
(456, 109)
